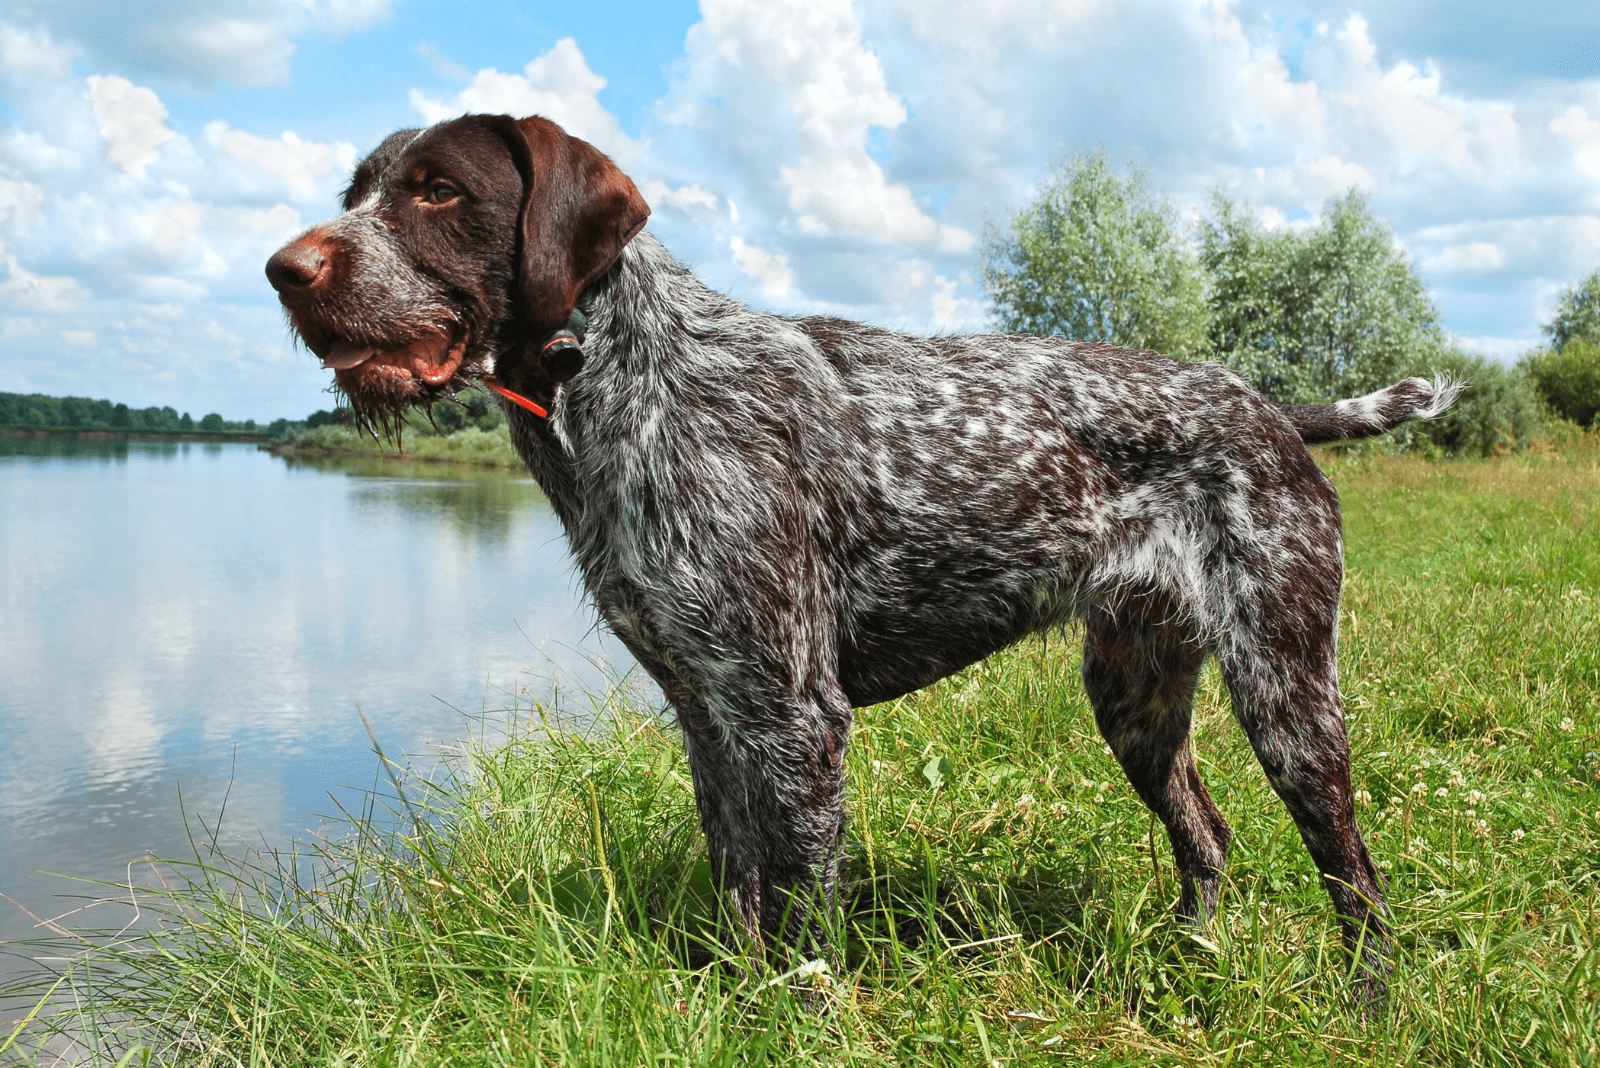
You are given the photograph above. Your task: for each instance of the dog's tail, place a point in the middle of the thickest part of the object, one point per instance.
(1362, 417)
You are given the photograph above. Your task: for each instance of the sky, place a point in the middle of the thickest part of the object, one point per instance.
(804, 155)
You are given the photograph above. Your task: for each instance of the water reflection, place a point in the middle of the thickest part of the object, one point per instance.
(206, 617)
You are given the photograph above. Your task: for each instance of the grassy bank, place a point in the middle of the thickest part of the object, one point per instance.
(1007, 897)
(470, 445)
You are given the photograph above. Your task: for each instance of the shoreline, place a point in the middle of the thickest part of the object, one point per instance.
(323, 452)
(100, 434)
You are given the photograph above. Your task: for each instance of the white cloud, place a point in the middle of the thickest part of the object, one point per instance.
(984, 30)
(24, 289)
(21, 203)
(28, 56)
(80, 339)
(768, 269)
(302, 171)
(1549, 245)
(132, 119)
(1473, 257)
(199, 44)
(692, 199)
(813, 54)
(557, 85)
(1581, 135)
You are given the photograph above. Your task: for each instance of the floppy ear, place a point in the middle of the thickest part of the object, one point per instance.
(578, 211)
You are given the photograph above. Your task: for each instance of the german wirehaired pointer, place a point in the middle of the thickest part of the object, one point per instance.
(786, 518)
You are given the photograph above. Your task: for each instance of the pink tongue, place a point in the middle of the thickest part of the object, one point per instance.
(343, 356)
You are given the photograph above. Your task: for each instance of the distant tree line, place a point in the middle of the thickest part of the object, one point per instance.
(81, 413)
(1306, 314)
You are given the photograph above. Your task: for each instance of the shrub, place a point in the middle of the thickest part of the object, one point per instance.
(1499, 411)
(1568, 379)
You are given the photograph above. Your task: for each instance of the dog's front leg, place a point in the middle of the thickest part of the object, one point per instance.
(769, 784)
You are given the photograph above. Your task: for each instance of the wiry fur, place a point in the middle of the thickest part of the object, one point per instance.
(785, 518)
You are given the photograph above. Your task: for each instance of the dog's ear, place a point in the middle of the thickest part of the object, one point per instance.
(578, 211)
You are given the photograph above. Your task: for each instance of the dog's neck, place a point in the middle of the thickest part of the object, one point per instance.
(644, 325)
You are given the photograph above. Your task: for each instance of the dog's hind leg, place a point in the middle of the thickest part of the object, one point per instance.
(1286, 695)
(1140, 673)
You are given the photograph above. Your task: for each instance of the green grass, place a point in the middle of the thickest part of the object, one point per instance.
(1007, 897)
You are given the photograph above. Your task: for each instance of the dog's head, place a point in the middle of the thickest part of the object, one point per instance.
(458, 244)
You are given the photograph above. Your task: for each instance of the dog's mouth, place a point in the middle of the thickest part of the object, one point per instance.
(433, 359)
(382, 379)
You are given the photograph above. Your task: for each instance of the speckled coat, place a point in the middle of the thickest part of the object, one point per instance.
(785, 518)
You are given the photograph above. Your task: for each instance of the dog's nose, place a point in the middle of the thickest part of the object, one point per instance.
(295, 267)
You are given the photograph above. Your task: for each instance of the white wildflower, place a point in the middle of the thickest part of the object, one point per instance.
(1441, 792)
(1518, 835)
(1566, 724)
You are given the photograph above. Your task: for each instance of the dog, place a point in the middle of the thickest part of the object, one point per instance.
(785, 518)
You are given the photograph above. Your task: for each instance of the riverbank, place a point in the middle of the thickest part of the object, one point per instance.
(1006, 898)
(132, 435)
(471, 445)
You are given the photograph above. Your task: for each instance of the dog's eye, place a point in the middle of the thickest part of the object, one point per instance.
(441, 193)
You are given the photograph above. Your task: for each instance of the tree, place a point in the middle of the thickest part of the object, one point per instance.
(211, 423)
(1568, 377)
(73, 412)
(323, 417)
(187, 422)
(1577, 314)
(1319, 314)
(1097, 257)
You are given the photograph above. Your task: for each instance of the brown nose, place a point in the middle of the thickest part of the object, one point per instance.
(296, 267)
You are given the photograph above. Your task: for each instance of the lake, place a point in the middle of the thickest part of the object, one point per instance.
(184, 623)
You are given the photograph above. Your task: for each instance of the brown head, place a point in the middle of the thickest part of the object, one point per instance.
(457, 246)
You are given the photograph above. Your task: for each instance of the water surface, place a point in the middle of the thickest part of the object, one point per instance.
(202, 621)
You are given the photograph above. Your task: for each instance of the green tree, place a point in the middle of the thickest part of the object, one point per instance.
(1319, 314)
(121, 417)
(1568, 378)
(187, 422)
(1577, 313)
(212, 422)
(1097, 257)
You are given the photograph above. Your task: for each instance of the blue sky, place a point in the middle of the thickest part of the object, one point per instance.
(807, 155)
